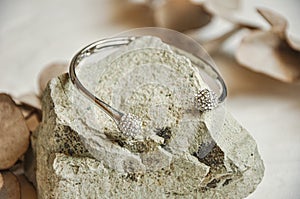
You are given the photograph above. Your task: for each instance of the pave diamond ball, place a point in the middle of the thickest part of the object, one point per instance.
(130, 125)
(205, 100)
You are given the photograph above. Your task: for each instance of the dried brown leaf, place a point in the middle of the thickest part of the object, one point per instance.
(269, 52)
(293, 43)
(266, 52)
(278, 23)
(27, 190)
(29, 100)
(18, 167)
(232, 11)
(214, 44)
(49, 72)
(14, 134)
(30, 105)
(11, 186)
(33, 121)
(222, 7)
(133, 13)
(279, 26)
(26, 112)
(180, 15)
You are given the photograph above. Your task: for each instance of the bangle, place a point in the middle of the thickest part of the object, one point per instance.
(129, 124)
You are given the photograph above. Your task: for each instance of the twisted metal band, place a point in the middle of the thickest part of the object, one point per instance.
(129, 124)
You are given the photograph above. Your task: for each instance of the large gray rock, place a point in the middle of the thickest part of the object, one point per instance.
(182, 153)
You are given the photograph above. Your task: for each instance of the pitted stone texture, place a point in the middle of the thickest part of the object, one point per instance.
(162, 162)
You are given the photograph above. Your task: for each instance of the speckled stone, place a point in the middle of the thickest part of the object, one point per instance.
(182, 153)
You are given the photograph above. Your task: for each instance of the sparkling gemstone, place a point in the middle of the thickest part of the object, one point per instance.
(130, 125)
(205, 100)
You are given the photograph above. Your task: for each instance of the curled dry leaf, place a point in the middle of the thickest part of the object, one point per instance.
(33, 121)
(31, 100)
(277, 22)
(27, 190)
(214, 44)
(180, 15)
(18, 167)
(268, 52)
(49, 72)
(133, 13)
(30, 105)
(11, 187)
(222, 8)
(233, 11)
(293, 42)
(14, 134)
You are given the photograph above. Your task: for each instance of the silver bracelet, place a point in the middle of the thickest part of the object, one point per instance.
(129, 124)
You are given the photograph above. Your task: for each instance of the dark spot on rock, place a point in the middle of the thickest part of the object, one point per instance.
(165, 133)
(227, 182)
(213, 183)
(134, 176)
(121, 143)
(203, 189)
(70, 152)
(66, 145)
(214, 159)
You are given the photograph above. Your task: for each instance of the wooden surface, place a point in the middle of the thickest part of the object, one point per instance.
(35, 33)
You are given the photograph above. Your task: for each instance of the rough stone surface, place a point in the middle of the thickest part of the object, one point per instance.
(181, 153)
